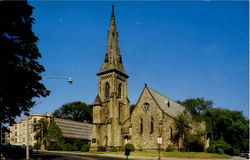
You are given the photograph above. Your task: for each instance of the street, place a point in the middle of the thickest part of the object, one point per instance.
(105, 156)
(65, 156)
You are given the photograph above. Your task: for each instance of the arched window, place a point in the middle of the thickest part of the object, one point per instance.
(151, 125)
(141, 126)
(170, 133)
(107, 90)
(119, 90)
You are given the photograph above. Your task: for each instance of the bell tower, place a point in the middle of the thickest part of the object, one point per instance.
(111, 105)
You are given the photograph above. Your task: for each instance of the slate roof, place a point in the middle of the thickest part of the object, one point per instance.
(169, 106)
(97, 101)
(73, 129)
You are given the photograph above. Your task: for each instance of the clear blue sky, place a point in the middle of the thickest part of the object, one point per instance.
(181, 49)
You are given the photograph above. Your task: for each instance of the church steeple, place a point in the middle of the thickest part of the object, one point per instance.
(113, 11)
(111, 106)
(113, 58)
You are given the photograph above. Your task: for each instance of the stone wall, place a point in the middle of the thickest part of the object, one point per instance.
(147, 140)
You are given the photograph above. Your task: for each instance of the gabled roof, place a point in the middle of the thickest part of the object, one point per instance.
(169, 106)
(97, 101)
(73, 129)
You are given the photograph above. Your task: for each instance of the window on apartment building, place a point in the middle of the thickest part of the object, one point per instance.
(15, 140)
(15, 126)
(34, 120)
(15, 133)
(23, 139)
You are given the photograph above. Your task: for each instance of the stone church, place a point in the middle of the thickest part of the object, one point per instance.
(114, 124)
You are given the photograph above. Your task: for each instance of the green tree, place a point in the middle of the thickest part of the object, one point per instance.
(77, 111)
(54, 132)
(41, 128)
(221, 124)
(196, 106)
(19, 68)
(228, 125)
(182, 125)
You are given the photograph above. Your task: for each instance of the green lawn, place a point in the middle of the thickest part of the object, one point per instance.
(193, 155)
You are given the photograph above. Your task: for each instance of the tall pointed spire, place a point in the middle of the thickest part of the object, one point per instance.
(113, 58)
(113, 11)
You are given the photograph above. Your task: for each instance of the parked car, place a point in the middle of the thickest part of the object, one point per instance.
(244, 153)
(247, 154)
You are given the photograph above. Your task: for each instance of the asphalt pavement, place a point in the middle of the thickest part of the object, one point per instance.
(58, 155)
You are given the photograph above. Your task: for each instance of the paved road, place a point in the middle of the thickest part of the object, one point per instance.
(105, 156)
(65, 156)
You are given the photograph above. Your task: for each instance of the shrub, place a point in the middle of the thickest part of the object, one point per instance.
(66, 147)
(220, 151)
(113, 149)
(211, 149)
(73, 148)
(58, 147)
(169, 148)
(37, 145)
(52, 147)
(85, 148)
(236, 152)
(78, 143)
(101, 149)
(219, 146)
(130, 147)
(55, 147)
(196, 145)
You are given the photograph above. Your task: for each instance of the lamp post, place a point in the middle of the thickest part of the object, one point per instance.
(70, 81)
(27, 137)
(67, 78)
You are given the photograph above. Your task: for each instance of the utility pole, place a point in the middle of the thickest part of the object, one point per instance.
(1, 103)
(1, 139)
(27, 138)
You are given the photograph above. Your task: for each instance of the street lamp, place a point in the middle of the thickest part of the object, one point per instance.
(27, 136)
(69, 79)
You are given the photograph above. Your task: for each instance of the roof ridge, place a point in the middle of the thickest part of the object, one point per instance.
(164, 103)
(163, 95)
(159, 93)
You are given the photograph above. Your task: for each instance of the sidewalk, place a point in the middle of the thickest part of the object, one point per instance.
(134, 157)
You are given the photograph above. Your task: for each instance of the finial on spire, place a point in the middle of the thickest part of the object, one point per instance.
(113, 10)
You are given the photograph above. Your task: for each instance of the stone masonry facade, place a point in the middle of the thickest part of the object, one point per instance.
(113, 124)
